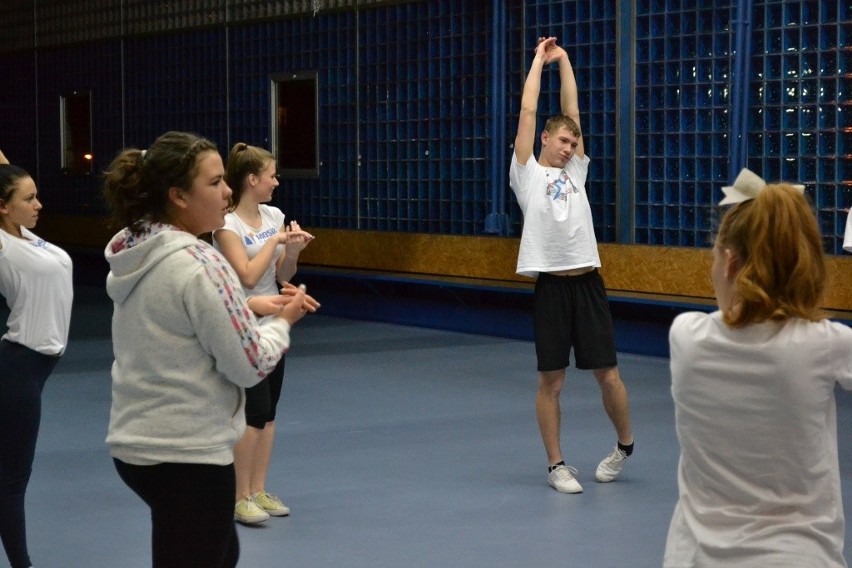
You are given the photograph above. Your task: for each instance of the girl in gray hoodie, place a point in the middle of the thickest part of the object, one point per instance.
(186, 344)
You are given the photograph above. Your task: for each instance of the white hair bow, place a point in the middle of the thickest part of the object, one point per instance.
(747, 185)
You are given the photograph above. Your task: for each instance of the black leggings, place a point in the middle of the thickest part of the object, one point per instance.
(23, 373)
(192, 512)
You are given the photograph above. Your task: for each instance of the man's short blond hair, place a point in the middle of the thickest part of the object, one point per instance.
(554, 123)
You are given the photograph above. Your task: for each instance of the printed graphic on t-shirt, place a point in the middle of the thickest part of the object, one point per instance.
(557, 190)
(253, 238)
(559, 187)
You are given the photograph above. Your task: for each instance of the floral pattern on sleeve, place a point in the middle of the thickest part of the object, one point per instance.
(244, 323)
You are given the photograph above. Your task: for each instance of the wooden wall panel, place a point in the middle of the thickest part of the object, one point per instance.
(642, 271)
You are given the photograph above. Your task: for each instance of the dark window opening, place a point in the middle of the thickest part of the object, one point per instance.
(76, 133)
(294, 103)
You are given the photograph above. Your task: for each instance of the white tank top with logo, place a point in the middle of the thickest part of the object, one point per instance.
(253, 239)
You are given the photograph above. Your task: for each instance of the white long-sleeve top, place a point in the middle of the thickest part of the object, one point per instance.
(755, 414)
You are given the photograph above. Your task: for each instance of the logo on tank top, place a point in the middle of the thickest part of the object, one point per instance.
(256, 238)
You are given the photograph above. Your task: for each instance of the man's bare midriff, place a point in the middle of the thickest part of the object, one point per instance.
(573, 271)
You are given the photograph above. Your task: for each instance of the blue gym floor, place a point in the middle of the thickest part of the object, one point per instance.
(397, 447)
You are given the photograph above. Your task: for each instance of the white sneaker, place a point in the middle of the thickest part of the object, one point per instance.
(611, 466)
(562, 479)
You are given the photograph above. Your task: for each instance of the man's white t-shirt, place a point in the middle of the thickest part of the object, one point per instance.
(558, 231)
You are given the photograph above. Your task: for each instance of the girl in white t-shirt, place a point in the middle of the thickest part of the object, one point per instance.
(35, 280)
(264, 252)
(753, 386)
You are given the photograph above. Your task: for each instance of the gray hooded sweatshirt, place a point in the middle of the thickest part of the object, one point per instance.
(185, 346)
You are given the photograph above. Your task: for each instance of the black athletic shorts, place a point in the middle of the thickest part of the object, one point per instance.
(573, 312)
(262, 398)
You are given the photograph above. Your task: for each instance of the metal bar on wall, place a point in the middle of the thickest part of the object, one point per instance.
(739, 89)
(497, 221)
(625, 121)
